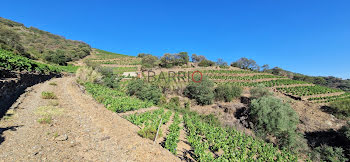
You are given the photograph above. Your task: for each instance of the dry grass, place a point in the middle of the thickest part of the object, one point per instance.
(46, 113)
(53, 83)
(45, 120)
(48, 95)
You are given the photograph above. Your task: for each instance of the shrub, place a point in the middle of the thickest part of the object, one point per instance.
(340, 108)
(328, 153)
(259, 91)
(175, 100)
(187, 105)
(45, 120)
(144, 91)
(227, 92)
(202, 92)
(87, 74)
(150, 93)
(206, 63)
(149, 132)
(345, 131)
(135, 86)
(149, 61)
(162, 100)
(271, 116)
(48, 95)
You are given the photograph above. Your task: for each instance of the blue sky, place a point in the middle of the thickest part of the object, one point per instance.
(310, 37)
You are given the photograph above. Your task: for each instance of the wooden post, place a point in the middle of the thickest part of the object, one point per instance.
(155, 138)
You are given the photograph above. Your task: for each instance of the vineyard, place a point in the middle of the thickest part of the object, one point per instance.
(207, 140)
(244, 78)
(308, 90)
(115, 100)
(10, 61)
(327, 99)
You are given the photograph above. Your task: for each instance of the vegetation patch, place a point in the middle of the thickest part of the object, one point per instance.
(48, 95)
(46, 113)
(53, 83)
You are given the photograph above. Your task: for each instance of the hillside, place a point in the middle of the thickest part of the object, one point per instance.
(38, 44)
(169, 109)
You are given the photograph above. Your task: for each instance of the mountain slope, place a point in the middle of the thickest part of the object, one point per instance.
(38, 44)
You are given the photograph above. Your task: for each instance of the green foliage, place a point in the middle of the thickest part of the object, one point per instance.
(149, 132)
(206, 63)
(271, 116)
(150, 122)
(202, 92)
(227, 92)
(170, 60)
(175, 100)
(115, 100)
(328, 153)
(109, 79)
(259, 91)
(48, 95)
(340, 108)
(173, 136)
(245, 63)
(53, 83)
(34, 43)
(308, 90)
(345, 131)
(149, 61)
(144, 91)
(69, 68)
(205, 138)
(10, 61)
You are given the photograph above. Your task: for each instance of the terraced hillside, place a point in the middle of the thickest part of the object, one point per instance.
(118, 62)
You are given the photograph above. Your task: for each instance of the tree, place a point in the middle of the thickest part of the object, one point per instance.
(202, 92)
(245, 63)
(167, 60)
(183, 58)
(197, 58)
(206, 63)
(220, 62)
(265, 67)
(149, 61)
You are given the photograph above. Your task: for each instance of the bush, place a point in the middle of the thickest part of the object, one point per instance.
(162, 100)
(340, 108)
(149, 61)
(227, 92)
(271, 116)
(149, 132)
(175, 100)
(87, 74)
(328, 153)
(144, 91)
(109, 79)
(202, 92)
(135, 86)
(206, 63)
(259, 91)
(345, 131)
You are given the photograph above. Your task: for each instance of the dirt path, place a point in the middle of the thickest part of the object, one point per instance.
(85, 131)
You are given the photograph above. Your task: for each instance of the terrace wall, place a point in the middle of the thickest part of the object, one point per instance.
(13, 84)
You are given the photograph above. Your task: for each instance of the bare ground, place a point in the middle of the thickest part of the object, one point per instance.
(86, 131)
